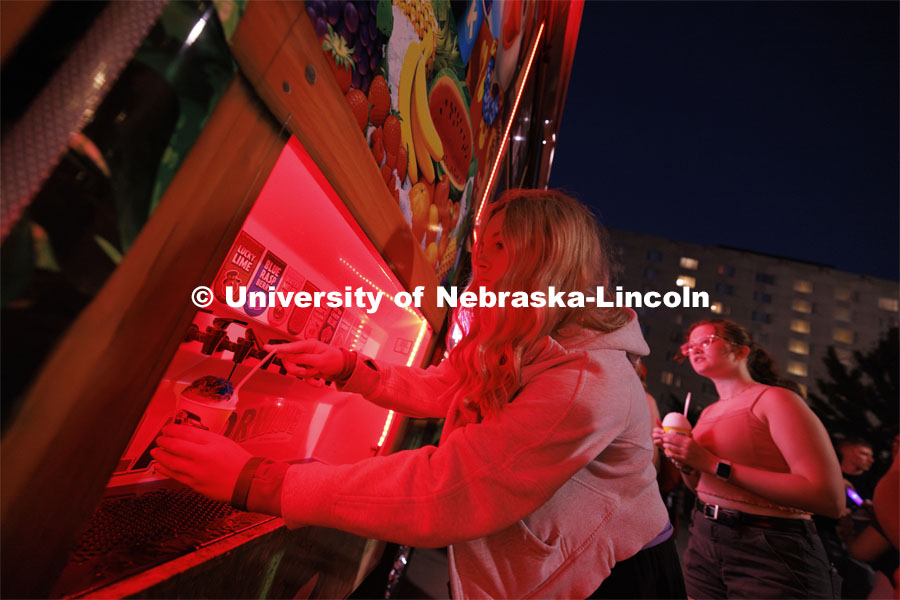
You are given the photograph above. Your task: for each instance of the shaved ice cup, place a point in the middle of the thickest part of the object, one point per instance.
(204, 414)
(675, 422)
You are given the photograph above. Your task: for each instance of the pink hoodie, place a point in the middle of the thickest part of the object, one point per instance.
(540, 501)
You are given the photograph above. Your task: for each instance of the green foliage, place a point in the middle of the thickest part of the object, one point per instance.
(862, 401)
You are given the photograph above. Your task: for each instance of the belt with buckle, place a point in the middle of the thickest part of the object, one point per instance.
(736, 518)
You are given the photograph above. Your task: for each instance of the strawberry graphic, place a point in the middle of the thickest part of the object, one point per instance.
(392, 135)
(380, 99)
(359, 104)
(378, 145)
(386, 173)
(340, 58)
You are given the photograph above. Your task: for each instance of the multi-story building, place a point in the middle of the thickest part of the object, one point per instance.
(794, 309)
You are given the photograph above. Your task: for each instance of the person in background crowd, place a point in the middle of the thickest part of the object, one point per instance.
(667, 475)
(542, 483)
(761, 463)
(877, 543)
(641, 371)
(857, 459)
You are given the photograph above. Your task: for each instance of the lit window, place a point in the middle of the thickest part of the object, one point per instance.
(888, 304)
(724, 289)
(765, 278)
(797, 368)
(689, 263)
(716, 307)
(762, 297)
(666, 377)
(686, 281)
(654, 255)
(841, 313)
(799, 326)
(801, 306)
(803, 389)
(843, 335)
(725, 270)
(803, 286)
(842, 293)
(798, 347)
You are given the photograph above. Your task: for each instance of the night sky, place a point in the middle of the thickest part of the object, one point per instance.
(769, 126)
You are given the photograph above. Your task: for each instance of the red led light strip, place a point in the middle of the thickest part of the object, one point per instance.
(412, 359)
(512, 118)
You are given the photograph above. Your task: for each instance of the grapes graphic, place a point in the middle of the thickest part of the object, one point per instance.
(355, 22)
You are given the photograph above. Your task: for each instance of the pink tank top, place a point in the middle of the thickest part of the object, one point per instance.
(730, 430)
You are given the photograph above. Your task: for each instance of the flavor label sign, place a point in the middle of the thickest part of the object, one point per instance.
(340, 339)
(239, 265)
(268, 276)
(292, 282)
(301, 314)
(331, 325)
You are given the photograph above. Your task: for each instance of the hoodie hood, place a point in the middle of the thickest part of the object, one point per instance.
(572, 342)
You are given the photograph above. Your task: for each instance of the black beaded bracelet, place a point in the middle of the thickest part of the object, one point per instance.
(242, 485)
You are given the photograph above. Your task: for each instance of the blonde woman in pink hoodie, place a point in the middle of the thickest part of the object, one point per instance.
(542, 484)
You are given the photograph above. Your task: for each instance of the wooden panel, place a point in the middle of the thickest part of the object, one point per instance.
(91, 393)
(262, 31)
(315, 111)
(17, 17)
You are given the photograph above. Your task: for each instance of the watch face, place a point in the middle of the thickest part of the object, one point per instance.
(723, 470)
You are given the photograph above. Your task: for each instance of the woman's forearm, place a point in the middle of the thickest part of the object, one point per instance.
(786, 489)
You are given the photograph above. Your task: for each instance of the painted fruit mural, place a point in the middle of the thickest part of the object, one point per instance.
(404, 79)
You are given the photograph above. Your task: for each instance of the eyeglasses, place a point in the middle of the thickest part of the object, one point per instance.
(701, 344)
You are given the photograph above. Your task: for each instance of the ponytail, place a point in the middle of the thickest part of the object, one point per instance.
(763, 369)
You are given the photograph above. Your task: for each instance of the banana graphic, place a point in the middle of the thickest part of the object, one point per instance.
(422, 156)
(422, 124)
(404, 98)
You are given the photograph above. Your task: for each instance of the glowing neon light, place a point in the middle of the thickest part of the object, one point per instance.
(374, 285)
(384, 432)
(512, 118)
(412, 358)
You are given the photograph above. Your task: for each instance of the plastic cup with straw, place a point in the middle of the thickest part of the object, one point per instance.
(676, 422)
(209, 401)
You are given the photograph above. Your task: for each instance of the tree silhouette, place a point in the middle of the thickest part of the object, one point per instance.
(862, 401)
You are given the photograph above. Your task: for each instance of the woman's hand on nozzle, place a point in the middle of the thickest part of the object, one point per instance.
(309, 358)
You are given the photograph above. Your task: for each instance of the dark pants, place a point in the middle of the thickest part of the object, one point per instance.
(651, 573)
(722, 561)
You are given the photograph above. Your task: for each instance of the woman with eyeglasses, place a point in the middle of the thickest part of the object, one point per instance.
(761, 463)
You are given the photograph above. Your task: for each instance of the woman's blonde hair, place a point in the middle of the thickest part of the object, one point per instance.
(551, 240)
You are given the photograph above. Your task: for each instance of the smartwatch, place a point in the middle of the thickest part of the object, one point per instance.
(723, 470)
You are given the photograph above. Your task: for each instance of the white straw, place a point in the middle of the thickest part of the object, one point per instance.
(253, 370)
(687, 403)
